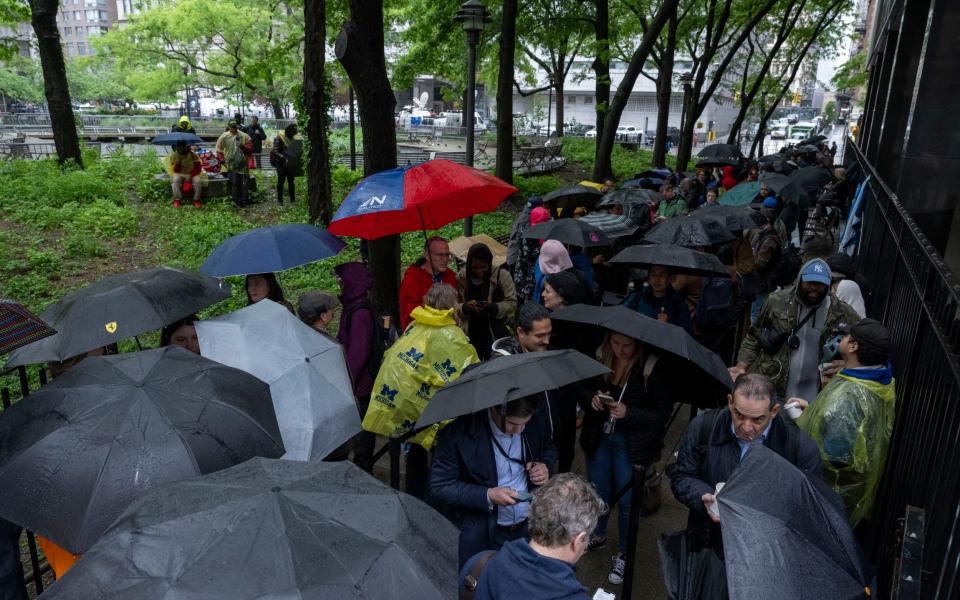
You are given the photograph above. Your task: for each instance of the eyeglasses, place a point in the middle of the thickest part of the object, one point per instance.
(441, 254)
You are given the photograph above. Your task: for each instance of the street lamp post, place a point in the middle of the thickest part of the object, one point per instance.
(550, 81)
(472, 15)
(686, 78)
(353, 134)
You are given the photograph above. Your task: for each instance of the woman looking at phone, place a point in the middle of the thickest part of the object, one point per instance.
(624, 426)
(489, 299)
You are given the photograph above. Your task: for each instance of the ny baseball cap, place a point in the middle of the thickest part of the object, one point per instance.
(816, 271)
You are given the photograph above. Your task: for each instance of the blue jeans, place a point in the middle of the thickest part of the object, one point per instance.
(610, 470)
(757, 305)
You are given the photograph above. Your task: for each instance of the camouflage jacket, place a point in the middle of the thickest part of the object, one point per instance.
(779, 314)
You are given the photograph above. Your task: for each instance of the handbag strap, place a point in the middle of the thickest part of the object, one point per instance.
(472, 579)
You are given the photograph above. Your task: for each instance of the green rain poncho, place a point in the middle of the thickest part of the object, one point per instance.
(851, 421)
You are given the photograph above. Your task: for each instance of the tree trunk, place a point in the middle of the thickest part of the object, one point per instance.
(364, 62)
(558, 91)
(275, 103)
(603, 166)
(685, 147)
(601, 67)
(664, 93)
(315, 100)
(508, 42)
(55, 86)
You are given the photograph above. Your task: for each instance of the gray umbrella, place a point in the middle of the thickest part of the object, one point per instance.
(76, 453)
(308, 376)
(785, 534)
(788, 187)
(508, 378)
(688, 231)
(572, 196)
(271, 529)
(611, 225)
(678, 258)
(117, 308)
(734, 218)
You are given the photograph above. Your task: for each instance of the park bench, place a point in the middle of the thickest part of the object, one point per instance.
(217, 184)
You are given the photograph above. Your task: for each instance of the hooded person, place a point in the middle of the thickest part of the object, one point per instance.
(489, 299)
(658, 300)
(845, 285)
(516, 232)
(786, 341)
(728, 181)
(852, 418)
(183, 126)
(523, 272)
(553, 258)
(358, 336)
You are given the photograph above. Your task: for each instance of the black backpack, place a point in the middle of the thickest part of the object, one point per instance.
(382, 337)
(788, 267)
(293, 157)
(716, 308)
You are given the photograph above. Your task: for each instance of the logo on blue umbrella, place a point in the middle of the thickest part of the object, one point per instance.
(373, 203)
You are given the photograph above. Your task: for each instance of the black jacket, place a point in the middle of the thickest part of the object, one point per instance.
(648, 410)
(698, 470)
(257, 136)
(464, 468)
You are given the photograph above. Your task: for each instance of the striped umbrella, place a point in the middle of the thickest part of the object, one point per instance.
(612, 225)
(19, 327)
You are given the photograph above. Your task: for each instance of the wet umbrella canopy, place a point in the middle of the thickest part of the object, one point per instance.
(741, 194)
(306, 371)
(787, 187)
(271, 529)
(508, 378)
(721, 151)
(168, 139)
(569, 231)
(688, 231)
(76, 453)
(271, 250)
(678, 258)
(656, 333)
(734, 218)
(792, 541)
(573, 196)
(612, 226)
(630, 197)
(117, 308)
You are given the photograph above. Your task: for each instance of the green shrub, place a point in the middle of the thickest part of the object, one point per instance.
(538, 185)
(82, 245)
(107, 219)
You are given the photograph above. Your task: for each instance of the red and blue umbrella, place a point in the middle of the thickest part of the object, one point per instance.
(417, 198)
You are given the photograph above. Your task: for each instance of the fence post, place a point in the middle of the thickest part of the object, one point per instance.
(638, 482)
(24, 385)
(394, 445)
(35, 563)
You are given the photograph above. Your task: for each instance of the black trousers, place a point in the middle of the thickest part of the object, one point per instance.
(283, 176)
(418, 471)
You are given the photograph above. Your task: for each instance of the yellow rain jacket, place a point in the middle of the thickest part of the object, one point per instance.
(431, 352)
(851, 420)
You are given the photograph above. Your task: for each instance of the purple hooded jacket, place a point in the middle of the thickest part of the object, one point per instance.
(356, 281)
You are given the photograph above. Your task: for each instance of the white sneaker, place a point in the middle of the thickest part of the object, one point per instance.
(616, 571)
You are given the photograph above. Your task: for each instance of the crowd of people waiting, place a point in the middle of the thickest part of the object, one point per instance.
(812, 379)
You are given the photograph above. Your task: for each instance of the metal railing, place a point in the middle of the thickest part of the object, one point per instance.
(918, 299)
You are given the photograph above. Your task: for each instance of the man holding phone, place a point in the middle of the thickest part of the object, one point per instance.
(485, 467)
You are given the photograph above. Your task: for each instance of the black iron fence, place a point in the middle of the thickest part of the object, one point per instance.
(916, 296)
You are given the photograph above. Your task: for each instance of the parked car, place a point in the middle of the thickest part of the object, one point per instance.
(778, 133)
(576, 129)
(591, 133)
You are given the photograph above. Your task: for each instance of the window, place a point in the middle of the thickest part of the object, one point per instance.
(81, 49)
(77, 15)
(588, 99)
(92, 15)
(103, 15)
(67, 31)
(571, 99)
(93, 31)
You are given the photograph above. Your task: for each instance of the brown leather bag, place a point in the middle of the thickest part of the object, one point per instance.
(473, 577)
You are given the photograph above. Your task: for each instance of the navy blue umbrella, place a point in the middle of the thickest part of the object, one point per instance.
(169, 139)
(271, 249)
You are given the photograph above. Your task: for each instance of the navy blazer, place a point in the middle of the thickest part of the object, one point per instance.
(464, 468)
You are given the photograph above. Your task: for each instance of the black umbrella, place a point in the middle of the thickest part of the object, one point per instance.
(734, 218)
(803, 149)
(710, 163)
(771, 158)
(688, 231)
(573, 196)
(613, 226)
(787, 187)
(78, 451)
(813, 140)
(784, 167)
(678, 258)
(568, 231)
(724, 151)
(117, 308)
(508, 378)
(168, 139)
(630, 197)
(665, 336)
(786, 535)
(271, 529)
(648, 183)
(812, 179)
